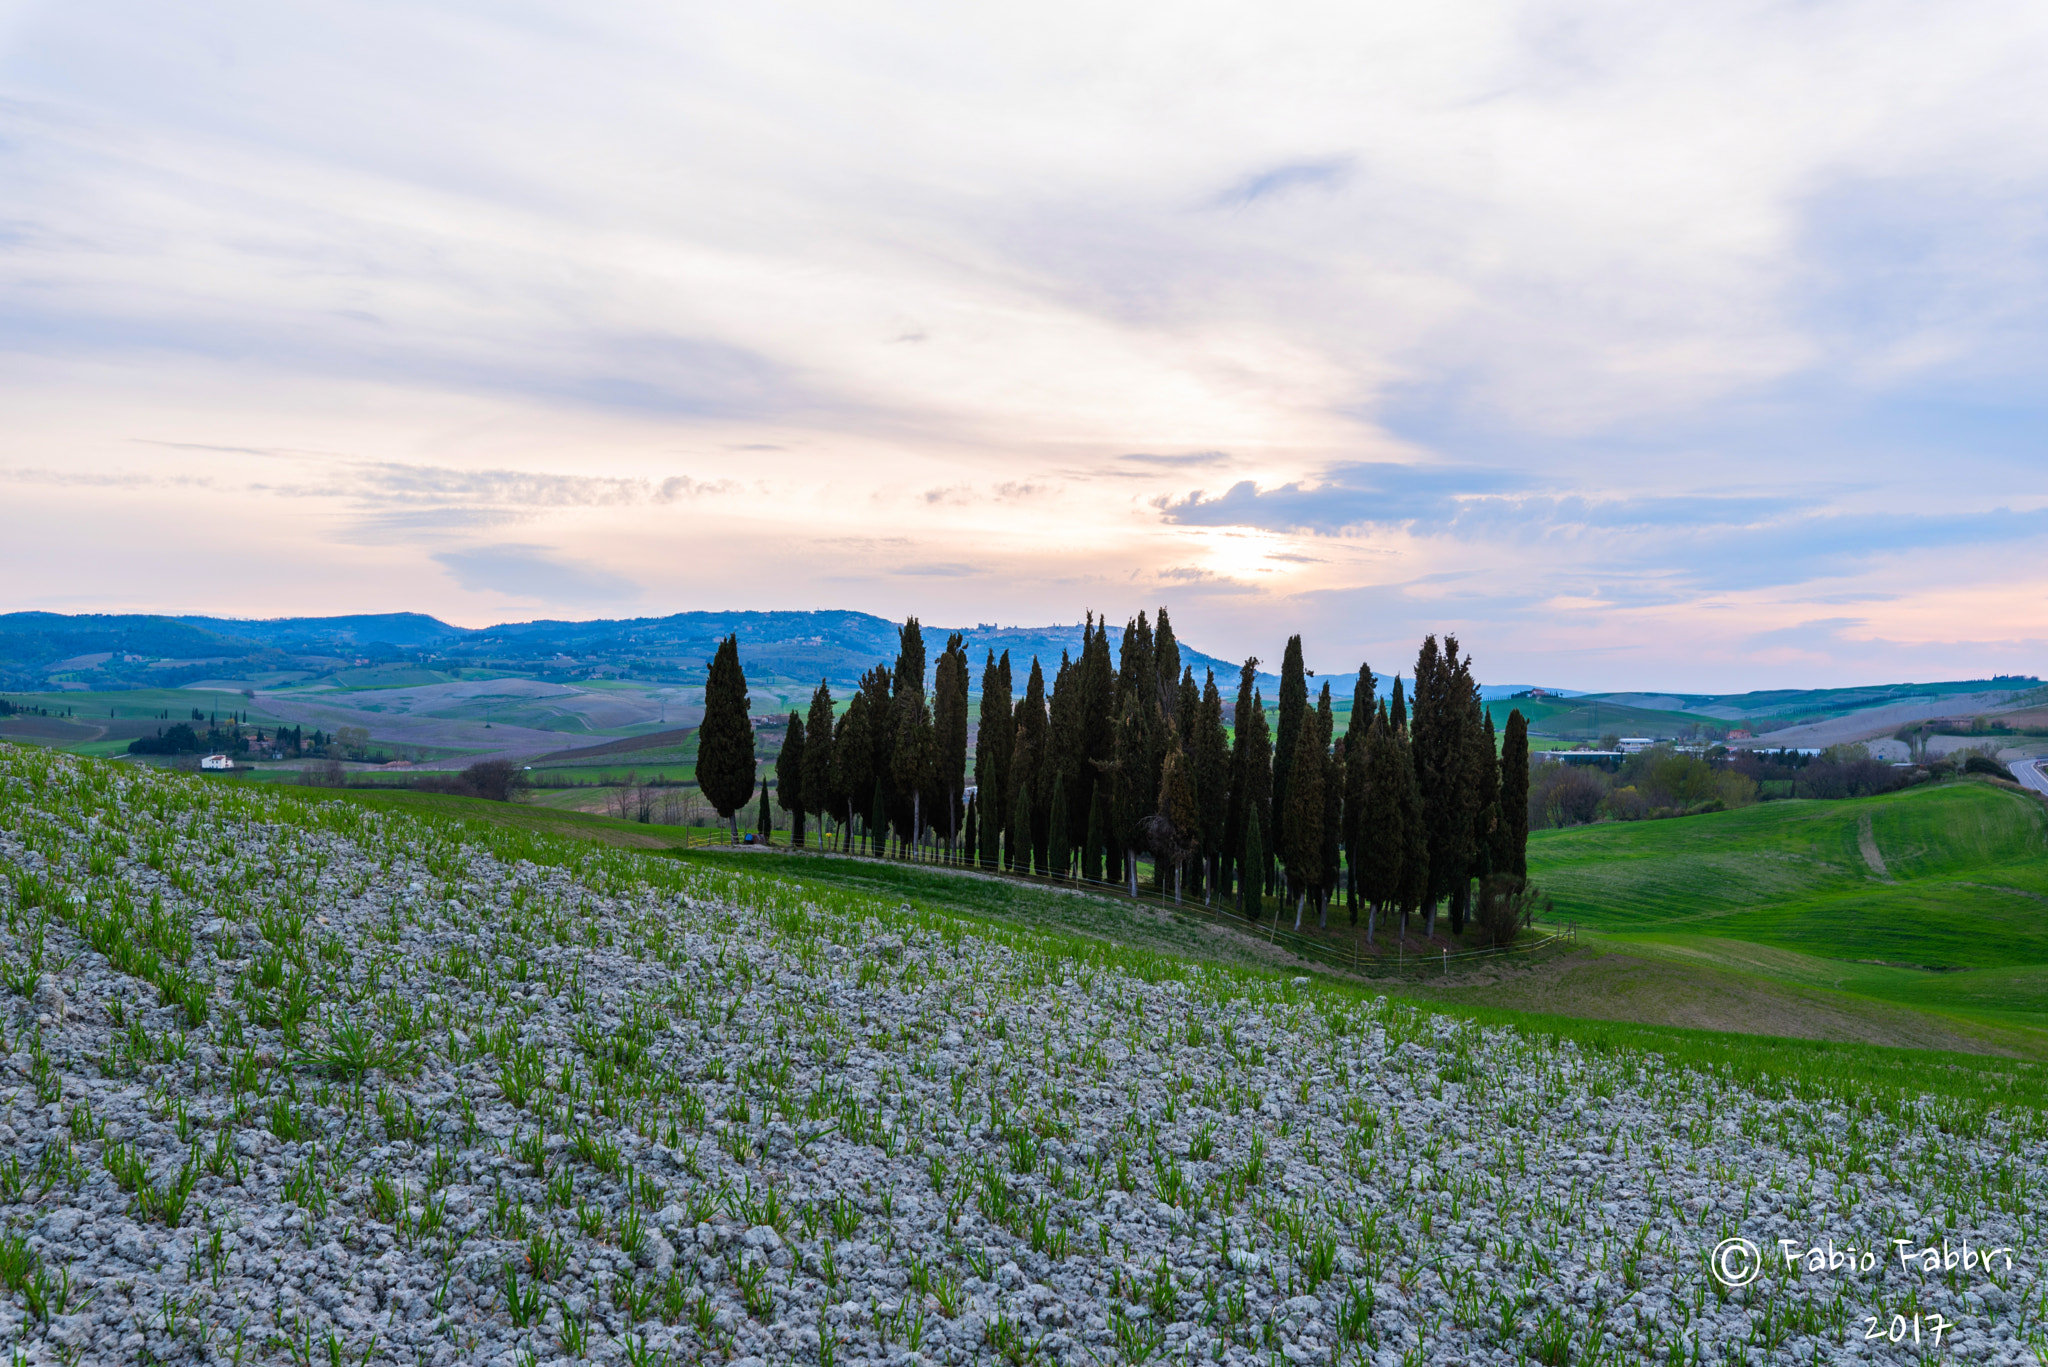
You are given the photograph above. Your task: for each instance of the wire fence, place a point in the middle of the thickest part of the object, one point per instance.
(1349, 956)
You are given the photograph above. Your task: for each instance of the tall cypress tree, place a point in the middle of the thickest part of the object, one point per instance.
(764, 820)
(914, 766)
(906, 694)
(1028, 760)
(1439, 727)
(1212, 782)
(992, 746)
(1513, 858)
(853, 763)
(1063, 759)
(1377, 840)
(1301, 833)
(819, 746)
(1397, 716)
(1287, 737)
(1098, 729)
(970, 831)
(1485, 777)
(1139, 744)
(1240, 786)
(1357, 769)
(1333, 802)
(789, 778)
(949, 728)
(725, 738)
(1415, 881)
(1178, 808)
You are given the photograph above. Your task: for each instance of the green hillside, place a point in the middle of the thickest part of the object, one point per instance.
(1935, 897)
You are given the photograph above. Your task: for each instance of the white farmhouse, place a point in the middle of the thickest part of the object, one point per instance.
(216, 762)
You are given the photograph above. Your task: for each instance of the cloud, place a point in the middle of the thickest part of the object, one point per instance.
(682, 486)
(1344, 497)
(1182, 461)
(521, 571)
(1280, 180)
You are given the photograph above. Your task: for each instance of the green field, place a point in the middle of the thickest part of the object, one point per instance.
(1934, 898)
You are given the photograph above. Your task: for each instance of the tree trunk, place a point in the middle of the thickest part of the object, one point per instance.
(1301, 900)
(1372, 910)
(1131, 868)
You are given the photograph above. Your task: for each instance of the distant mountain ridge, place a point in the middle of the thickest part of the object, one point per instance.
(41, 649)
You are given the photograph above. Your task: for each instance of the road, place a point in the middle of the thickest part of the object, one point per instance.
(2029, 772)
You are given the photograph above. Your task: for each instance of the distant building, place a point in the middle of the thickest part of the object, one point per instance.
(1604, 758)
(216, 762)
(1631, 744)
(1741, 735)
(1534, 694)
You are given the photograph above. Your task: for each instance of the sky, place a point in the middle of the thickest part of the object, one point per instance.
(1693, 347)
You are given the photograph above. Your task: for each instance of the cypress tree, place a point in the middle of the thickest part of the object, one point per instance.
(1258, 775)
(1286, 738)
(949, 730)
(1301, 834)
(1440, 733)
(1513, 858)
(1180, 815)
(1241, 732)
(1357, 768)
(1414, 833)
(993, 745)
(1212, 783)
(1376, 841)
(725, 738)
(1139, 745)
(914, 766)
(1333, 803)
(1063, 760)
(764, 820)
(969, 830)
(853, 773)
(1097, 706)
(1249, 894)
(877, 685)
(1028, 762)
(1398, 716)
(1485, 771)
(1059, 853)
(816, 774)
(789, 778)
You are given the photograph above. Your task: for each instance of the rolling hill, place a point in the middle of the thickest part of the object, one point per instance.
(1935, 897)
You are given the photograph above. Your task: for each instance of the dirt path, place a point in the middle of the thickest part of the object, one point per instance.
(1866, 841)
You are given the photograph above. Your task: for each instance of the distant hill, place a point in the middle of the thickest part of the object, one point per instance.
(41, 650)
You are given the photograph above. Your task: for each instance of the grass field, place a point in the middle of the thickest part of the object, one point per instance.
(1934, 898)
